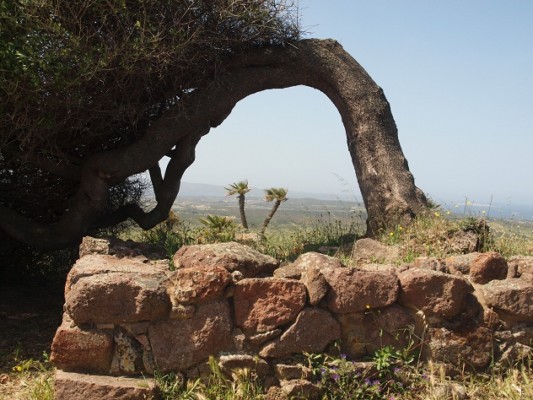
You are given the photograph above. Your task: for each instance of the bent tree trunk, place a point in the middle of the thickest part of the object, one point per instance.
(269, 217)
(386, 184)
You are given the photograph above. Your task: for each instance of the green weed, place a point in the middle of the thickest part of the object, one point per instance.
(341, 378)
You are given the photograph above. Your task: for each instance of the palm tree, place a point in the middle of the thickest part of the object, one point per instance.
(219, 228)
(240, 189)
(277, 195)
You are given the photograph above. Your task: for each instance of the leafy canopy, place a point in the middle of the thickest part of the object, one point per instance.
(81, 77)
(74, 74)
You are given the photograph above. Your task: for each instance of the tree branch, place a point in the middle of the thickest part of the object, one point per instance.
(156, 178)
(167, 190)
(386, 184)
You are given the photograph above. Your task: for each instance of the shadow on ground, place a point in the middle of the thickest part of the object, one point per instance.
(29, 317)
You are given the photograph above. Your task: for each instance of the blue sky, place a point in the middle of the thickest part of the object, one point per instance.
(458, 75)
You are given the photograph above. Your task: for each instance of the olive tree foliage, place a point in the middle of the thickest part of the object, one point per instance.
(83, 77)
(95, 92)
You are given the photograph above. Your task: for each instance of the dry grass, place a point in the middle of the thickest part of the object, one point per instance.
(433, 234)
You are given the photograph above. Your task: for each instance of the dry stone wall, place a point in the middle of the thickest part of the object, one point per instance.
(126, 314)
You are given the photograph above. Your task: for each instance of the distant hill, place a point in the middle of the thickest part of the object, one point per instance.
(496, 210)
(189, 189)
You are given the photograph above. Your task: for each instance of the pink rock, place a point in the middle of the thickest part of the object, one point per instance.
(513, 297)
(353, 290)
(230, 256)
(305, 262)
(471, 347)
(193, 285)
(313, 330)
(97, 264)
(521, 267)
(431, 263)
(264, 304)
(460, 265)
(487, 267)
(103, 289)
(435, 293)
(73, 386)
(463, 242)
(316, 285)
(74, 349)
(180, 344)
(365, 332)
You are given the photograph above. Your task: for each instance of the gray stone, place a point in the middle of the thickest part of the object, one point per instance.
(127, 355)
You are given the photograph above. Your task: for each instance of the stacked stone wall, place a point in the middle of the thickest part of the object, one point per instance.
(127, 315)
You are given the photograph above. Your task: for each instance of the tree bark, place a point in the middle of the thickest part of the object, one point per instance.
(387, 186)
(275, 207)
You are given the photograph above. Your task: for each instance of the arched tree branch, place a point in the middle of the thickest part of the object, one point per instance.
(387, 186)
